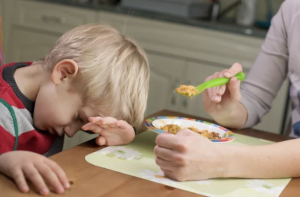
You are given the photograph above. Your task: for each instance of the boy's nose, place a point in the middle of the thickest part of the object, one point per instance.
(70, 131)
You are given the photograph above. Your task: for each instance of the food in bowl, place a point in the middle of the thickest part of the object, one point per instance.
(173, 128)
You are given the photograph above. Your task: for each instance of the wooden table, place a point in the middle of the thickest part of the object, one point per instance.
(92, 181)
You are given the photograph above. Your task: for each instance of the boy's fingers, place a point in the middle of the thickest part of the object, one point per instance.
(33, 175)
(92, 127)
(107, 121)
(59, 173)
(88, 126)
(101, 141)
(19, 179)
(102, 121)
(50, 177)
(235, 69)
(121, 124)
(95, 119)
(113, 125)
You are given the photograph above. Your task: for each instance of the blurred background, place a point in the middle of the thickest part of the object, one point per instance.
(186, 41)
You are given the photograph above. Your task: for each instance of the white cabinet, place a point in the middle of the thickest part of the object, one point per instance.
(29, 46)
(2, 7)
(166, 74)
(186, 42)
(50, 17)
(6, 7)
(36, 26)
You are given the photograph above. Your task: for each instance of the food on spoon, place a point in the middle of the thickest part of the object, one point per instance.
(185, 90)
(173, 128)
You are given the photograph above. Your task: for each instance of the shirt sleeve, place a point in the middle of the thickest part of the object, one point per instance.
(270, 68)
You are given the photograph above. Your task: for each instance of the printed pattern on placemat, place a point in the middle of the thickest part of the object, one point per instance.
(137, 159)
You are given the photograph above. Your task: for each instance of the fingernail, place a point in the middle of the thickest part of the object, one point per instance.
(67, 185)
(60, 190)
(23, 188)
(44, 191)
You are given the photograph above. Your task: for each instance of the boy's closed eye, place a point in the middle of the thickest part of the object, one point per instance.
(80, 119)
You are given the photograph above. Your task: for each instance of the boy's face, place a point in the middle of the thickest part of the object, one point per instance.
(58, 109)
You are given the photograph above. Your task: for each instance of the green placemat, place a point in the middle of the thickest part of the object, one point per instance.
(137, 159)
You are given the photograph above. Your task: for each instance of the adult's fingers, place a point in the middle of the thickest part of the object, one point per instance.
(235, 69)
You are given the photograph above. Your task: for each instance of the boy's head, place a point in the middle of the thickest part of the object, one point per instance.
(94, 70)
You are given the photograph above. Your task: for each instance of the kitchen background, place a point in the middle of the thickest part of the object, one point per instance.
(186, 41)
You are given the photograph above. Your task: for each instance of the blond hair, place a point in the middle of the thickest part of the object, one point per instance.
(113, 70)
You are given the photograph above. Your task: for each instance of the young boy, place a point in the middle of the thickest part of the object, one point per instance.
(93, 79)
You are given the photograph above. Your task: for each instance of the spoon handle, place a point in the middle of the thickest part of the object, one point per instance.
(218, 82)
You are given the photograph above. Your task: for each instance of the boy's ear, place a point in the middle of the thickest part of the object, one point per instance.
(64, 70)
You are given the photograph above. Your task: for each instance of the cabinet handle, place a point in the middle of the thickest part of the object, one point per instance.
(55, 19)
(174, 96)
(185, 99)
(173, 100)
(185, 102)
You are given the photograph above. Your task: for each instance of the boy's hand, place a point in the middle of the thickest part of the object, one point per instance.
(188, 156)
(111, 131)
(22, 165)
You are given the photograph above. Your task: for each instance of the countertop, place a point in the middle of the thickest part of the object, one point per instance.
(227, 26)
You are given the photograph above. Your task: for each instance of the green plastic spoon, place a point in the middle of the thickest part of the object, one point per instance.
(191, 91)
